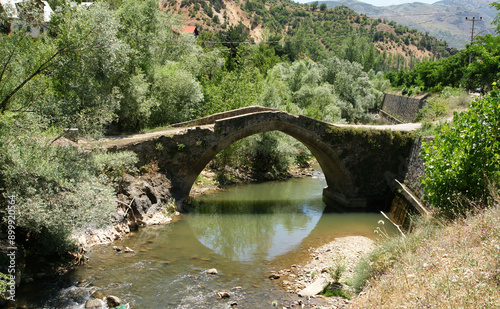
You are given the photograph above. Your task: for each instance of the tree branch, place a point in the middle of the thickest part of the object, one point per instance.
(41, 68)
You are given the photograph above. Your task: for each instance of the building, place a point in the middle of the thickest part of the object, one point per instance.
(13, 10)
(192, 30)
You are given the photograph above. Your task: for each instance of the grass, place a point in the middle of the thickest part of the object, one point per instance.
(335, 291)
(441, 265)
(441, 108)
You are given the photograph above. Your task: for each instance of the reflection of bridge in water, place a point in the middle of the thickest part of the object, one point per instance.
(358, 161)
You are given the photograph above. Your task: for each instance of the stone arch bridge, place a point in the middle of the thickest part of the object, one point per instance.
(359, 163)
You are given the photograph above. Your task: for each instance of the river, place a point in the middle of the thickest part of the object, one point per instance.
(245, 233)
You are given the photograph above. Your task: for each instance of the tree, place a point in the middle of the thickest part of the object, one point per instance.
(231, 39)
(176, 93)
(323, 7)
(463, 159)
(87, 75)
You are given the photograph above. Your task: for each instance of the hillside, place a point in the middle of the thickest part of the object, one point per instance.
(325, 28)
(444, 19)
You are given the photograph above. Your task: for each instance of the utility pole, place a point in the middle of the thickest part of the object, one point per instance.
(473, 20)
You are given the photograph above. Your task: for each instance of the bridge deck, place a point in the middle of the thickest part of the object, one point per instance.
(209, 121)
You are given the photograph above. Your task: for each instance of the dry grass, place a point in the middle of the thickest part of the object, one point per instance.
(456, 265)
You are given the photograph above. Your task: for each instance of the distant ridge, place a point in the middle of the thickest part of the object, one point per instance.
(444, 19)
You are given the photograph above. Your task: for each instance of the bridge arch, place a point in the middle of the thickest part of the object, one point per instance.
(337, 176)
(360, 164)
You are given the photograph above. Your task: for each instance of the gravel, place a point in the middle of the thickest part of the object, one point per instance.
(346, 251)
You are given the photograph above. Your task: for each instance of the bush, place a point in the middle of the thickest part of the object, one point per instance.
(272, 152)
(432, 111)
(58, 190)
(464, 157)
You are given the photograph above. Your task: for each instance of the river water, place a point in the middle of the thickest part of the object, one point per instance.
(245, 233)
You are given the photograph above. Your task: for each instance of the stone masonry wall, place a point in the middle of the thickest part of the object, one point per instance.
(401, 208)
(416, 168)
(402, 107)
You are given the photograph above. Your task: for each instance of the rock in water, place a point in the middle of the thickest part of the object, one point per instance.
(128, 250)
(212, 271)
(94, 303)
(223, 294)
(314, 288)
(274, 276)
(113, 301)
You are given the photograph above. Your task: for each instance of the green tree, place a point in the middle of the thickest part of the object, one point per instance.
(87, 77)
(353, 87)
(176, 93)
(463, 159)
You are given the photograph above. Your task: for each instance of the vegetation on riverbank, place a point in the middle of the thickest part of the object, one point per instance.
(453, 259)
(438, 265)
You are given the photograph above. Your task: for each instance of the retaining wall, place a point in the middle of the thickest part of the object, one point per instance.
(402, 107)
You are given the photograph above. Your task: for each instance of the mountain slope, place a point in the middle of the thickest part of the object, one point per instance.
(444, 19)
(320, 29)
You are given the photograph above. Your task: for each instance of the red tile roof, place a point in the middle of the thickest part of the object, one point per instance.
(189, 29)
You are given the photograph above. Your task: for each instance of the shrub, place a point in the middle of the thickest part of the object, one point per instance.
(464, 157)
(432, 111)
(58, 190)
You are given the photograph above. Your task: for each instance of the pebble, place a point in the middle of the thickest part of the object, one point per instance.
(223, 294)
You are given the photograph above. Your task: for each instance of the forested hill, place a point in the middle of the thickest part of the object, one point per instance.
(444, 19)
(312, 27)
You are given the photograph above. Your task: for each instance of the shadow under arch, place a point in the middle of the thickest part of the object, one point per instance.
(337, 177)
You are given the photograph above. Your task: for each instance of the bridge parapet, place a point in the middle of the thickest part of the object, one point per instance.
(215, 117)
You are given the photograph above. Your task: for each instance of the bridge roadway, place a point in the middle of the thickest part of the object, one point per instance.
(120, 140)
(358, 161)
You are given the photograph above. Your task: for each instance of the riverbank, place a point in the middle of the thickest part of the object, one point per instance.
(342, 255)
(448, 264)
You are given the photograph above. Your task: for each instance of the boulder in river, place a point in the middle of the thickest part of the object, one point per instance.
(223, 294)
(274, 276)
(113, 301)
(314, 288)
(94, 303)
(212, 271)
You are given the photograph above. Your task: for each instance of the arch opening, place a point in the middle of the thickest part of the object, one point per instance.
(337, 177)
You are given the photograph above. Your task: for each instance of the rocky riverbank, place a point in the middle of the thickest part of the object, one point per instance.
(341, 254)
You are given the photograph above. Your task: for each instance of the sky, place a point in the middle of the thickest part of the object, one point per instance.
(380, 2)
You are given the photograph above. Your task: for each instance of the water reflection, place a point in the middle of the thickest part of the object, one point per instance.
(259, 221)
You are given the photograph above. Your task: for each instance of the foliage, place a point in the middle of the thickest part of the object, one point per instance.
(270, 152)
(322, 90)
(4, 279)
(231, 90)
(58, 189)
(432, 111)
(477, 66)
(464, 157)
(176, 92)
(86, 75)
(338, 269)
(333, 291)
